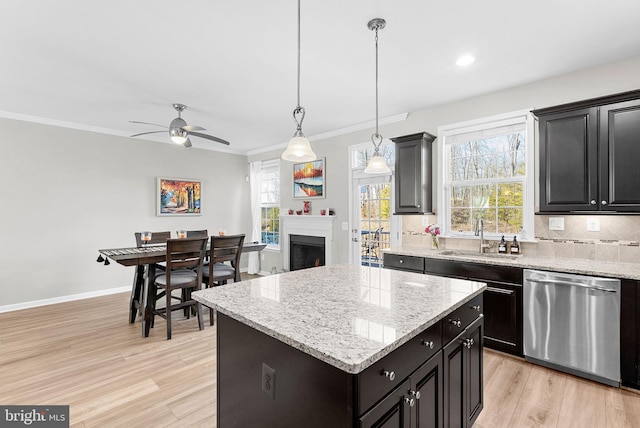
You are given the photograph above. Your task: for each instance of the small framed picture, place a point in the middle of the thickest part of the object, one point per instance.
(178, 196)
(309, 180)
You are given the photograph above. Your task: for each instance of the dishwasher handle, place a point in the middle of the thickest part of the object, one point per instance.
(572, 284)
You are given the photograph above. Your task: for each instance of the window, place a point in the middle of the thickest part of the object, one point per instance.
(487, 171)
(270, 203)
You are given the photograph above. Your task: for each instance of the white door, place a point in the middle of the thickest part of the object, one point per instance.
(374, 227)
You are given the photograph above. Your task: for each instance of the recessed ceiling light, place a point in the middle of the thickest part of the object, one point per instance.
(465, 60)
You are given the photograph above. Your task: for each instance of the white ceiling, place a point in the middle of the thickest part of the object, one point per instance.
(97, 65)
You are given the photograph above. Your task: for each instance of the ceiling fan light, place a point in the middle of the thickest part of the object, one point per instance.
(377, 165)
(299, 149)
(178, 136)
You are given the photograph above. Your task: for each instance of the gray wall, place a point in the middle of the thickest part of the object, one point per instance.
(612, 78)
(67, 193)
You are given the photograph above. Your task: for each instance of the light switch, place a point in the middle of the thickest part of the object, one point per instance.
(593, 225)
(425, 220)
(556, 223)
(345, 225)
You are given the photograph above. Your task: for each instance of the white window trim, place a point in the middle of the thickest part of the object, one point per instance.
(444, 161)
(273, 164)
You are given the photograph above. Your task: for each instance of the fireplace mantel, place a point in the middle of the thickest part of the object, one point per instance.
(309, 225)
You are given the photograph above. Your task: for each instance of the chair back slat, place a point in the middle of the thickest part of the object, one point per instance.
(186, 253)
(198, 233)
(156, 238)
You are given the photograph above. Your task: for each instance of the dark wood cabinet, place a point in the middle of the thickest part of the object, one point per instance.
(427, 383)
(620, 156)
(416, 403)
(391, 412)
(630, 333)
(589, 153)
(462, 374)
(503, 317)
(502, 300)
(413, 173)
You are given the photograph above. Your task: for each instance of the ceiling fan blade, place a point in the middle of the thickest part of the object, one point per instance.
(147, 123)
(209, 137)
(145, 133)
(191, 128)
(187, 143)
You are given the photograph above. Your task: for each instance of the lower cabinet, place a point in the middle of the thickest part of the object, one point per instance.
(503, 317)
(417, 402)
(462, 374)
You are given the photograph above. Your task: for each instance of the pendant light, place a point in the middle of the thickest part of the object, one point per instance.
(377, 164)
(299, 149)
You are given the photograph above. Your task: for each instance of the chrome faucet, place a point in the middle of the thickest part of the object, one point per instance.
(480, 232)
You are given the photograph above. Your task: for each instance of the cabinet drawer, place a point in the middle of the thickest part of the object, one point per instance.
(402, 262)
(372, 384)
(455, 323)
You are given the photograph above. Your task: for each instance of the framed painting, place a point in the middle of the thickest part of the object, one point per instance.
(177, 196)
(309, 180)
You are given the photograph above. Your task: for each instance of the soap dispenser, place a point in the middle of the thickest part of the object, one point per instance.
(502, 246)
(515, 246)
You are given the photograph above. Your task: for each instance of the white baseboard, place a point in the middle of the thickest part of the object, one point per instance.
(61, 299)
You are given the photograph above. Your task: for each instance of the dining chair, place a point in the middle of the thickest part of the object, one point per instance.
(135, 305)
(227, 248)
(185, 259)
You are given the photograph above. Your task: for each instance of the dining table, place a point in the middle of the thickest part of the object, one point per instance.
(145, 259)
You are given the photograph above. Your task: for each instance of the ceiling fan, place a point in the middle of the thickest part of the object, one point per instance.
(180, 131)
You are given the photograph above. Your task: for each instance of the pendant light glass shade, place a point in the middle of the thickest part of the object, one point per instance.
(299, 148)
(377, 164)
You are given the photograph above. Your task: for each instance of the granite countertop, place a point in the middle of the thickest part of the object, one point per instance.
(568, 265)
(348, 316)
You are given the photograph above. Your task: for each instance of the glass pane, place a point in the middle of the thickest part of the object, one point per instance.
(509, 220)
(510, 195)
(461, 220)
(461, 196)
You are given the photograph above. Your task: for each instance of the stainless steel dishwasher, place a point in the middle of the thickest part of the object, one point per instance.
(572, 323)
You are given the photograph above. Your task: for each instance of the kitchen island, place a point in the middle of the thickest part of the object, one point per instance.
(346, 346)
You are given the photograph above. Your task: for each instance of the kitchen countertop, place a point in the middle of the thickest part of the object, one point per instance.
(348, 316)
(568, 265)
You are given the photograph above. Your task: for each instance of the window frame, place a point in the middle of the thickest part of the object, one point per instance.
(267, 167)
(448, 132)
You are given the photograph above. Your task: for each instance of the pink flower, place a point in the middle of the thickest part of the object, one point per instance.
(433, 229)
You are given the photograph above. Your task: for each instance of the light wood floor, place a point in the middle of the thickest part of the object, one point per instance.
(86, 355)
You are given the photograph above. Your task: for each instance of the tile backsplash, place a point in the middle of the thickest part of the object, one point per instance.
(617, 241)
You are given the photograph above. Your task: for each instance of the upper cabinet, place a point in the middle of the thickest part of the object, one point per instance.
(589, 155)
(414, 178)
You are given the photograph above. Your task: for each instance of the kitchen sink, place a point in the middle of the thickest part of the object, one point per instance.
(477, 254)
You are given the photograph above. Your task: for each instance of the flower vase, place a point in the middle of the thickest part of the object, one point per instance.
(435, 244)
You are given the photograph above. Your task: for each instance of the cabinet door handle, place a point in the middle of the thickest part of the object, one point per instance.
(468, 343)
(411, 401)
(604, 202)
(457, 323)
(500, 290)
(401, 261)
(593, 202)
(388, 374)
(428, 344)
(476, 308)
(415, 394)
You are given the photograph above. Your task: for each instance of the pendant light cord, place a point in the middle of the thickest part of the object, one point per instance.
(299, 110)
(376, 138)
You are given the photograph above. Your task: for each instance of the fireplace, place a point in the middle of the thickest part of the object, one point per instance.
(318, 232)
(306, 251)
